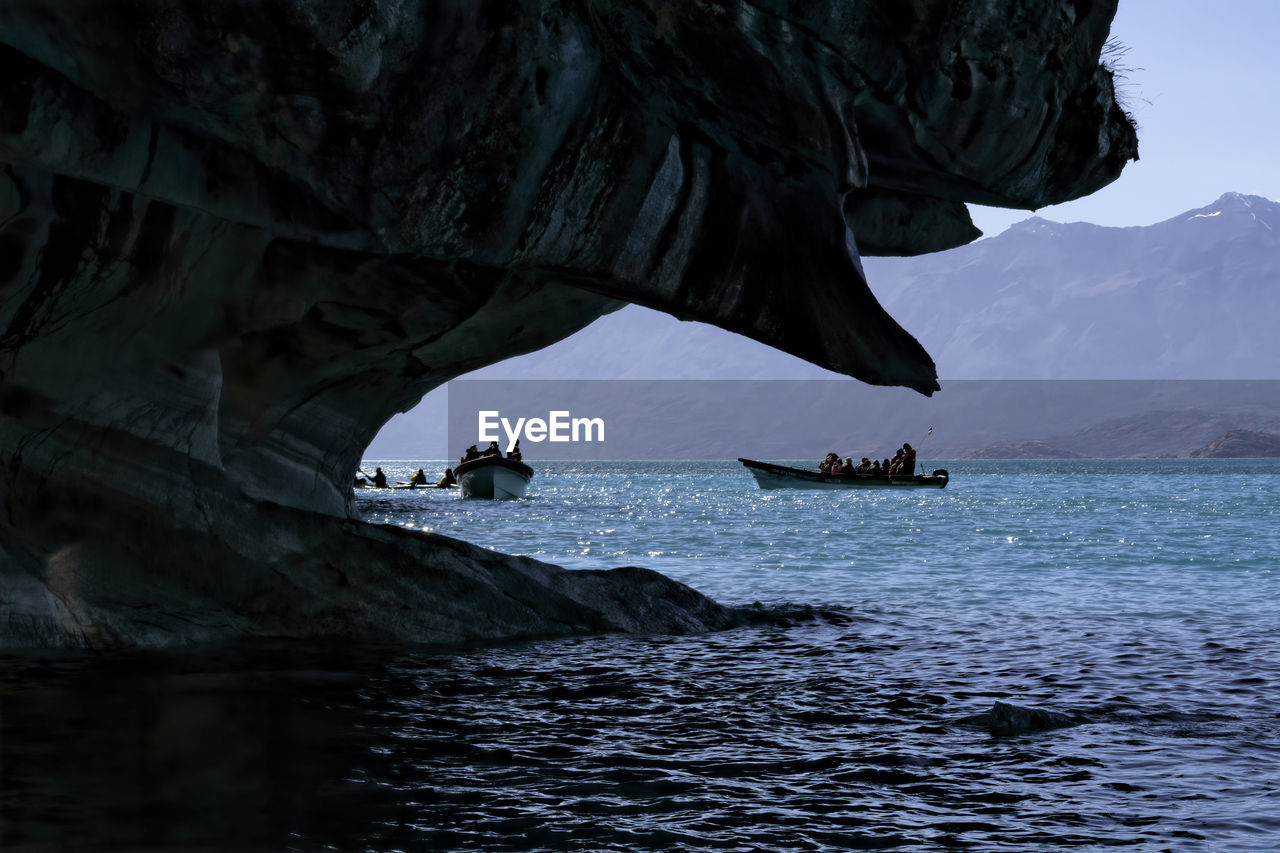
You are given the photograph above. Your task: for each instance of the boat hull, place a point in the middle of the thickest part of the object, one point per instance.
(493, 478)
(772, 476)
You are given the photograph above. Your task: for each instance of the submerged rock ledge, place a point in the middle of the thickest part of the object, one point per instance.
(236, 238)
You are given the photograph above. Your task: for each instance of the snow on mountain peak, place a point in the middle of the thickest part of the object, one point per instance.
(1260, 208)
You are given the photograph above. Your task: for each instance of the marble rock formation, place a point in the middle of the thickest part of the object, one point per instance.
(235, 238)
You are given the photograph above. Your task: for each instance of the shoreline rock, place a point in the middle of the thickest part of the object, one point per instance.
(324, 579)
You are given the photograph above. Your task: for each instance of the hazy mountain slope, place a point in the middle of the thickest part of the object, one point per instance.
(1240, 443)
(1194, 297)
(1177, 432)
(639, 343)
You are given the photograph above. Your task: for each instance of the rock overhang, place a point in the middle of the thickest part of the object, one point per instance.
(703, 159)
(238, 238)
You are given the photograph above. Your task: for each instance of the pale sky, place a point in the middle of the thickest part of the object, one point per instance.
(1204, 86)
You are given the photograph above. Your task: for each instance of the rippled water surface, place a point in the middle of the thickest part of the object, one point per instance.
(1140, 599)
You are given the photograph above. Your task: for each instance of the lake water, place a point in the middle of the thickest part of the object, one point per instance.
(1140, 597)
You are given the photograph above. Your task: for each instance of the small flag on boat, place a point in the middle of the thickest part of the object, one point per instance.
(929, 433)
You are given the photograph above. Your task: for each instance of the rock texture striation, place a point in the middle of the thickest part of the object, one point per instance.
(236, 238)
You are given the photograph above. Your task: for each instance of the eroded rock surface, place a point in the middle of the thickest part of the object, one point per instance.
(236, 238)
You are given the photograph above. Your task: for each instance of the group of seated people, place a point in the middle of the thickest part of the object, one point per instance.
(379, 479)
(902, 464)
(492, 450)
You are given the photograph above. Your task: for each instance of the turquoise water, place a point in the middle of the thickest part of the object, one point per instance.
(1161, 537)
(1140, 596)
(1139, 599)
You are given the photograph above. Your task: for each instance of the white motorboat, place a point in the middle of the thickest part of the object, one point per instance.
(493, 478)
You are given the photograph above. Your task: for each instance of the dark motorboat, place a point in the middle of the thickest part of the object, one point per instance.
(493, 477)
(772, 476)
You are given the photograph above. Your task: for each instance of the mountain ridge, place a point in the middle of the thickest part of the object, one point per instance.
(1039, 300)
(1193, 296)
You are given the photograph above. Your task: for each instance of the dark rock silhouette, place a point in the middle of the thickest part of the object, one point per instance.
(238, 237)
(1005, 720)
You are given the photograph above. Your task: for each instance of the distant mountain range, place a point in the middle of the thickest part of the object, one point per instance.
(1231, 429)
(1194, 297)
(1240, 442)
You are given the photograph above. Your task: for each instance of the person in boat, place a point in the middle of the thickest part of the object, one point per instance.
(379, 478)
(908, 459)
(469, 454)
(864, 467)
(515, 455)
(492, 450)
(360, 481)
(876, 470)
(447, 480)
(418, 479)
(895, 467)
(827, 465)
